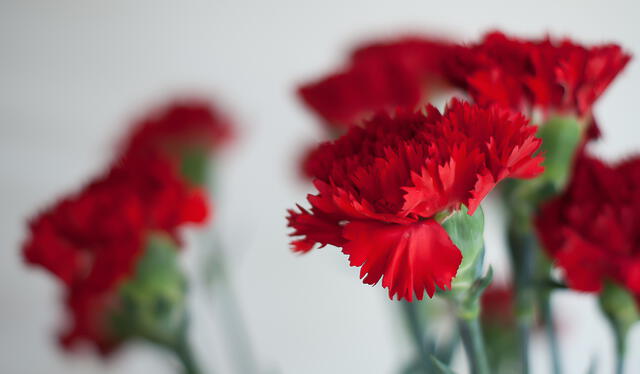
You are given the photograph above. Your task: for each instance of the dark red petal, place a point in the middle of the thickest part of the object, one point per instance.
(410, 259)
(585, 266)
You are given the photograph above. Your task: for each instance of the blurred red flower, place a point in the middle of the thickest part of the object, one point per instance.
(92, 239)
(547, 75)
(592, 231)
(497, 306)
(179, 127)
(378, 77)
(381, 187)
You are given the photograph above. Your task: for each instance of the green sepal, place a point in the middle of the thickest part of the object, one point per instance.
(194, 167)
(151, 304)
(619, 306)
(466, 232)
(561, 137)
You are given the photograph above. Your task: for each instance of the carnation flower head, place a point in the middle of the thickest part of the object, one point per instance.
(384, 189)
(379, 76)
(178, 129)
(91, 240)
(592, 231)
(545, 75)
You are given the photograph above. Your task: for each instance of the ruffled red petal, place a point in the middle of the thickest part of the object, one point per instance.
(410, 259)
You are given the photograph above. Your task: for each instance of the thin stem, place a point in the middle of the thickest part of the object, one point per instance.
(217, 280)
(418, 336)
(472, 340)
(445, 353)
(552, 337)
(620, 337)
(185, 354)
(522, 246)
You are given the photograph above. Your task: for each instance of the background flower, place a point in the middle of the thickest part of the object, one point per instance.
(546, 75)
(93, 239)
(592, 231)
(380, 76)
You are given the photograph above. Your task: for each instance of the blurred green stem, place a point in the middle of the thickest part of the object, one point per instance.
(220, 288)
(550, 331)
(522, 247)
(183, 351)
(471, 335)
(619, 335)
(418, 334)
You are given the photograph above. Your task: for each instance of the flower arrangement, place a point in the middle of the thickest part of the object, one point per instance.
(398, 189)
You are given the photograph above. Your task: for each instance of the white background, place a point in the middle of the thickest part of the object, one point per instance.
(74, 73)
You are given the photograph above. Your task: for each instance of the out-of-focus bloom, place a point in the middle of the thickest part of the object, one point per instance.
(378, 77)
(546, 76)
(592, 231)
(497, 306)
(93, 239)
(182, 130)
(384, 190)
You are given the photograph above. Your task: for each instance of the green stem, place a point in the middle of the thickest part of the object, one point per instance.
(185, 354)
(218, 281)
(552, 337)
(472, 340)
(418, 335)
(522, 247)
(620, 338)
(445, 353)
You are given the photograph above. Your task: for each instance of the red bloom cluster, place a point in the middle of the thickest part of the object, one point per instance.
(379, 76)
(380, 188)
(92, 240)
(593, 229)
(526, 75)
(185, 125)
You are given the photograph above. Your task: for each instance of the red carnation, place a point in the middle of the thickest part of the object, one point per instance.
(544, 75)
(592, 231)
(180, 127)
(92, 240)
(379, 76)
(383, 190)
